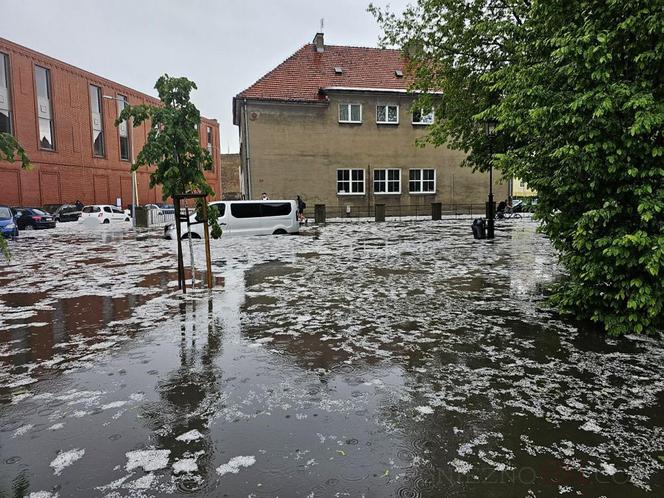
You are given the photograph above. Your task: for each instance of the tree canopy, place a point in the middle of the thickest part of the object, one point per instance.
(577, 89)
(173, 144)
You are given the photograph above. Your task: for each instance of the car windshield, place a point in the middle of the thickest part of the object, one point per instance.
(91, 209)
(5, 213)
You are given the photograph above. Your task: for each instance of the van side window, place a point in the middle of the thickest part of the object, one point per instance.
(222, 209)
(246, 210)
(276, 209)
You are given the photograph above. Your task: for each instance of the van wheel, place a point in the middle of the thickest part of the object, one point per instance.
(280, 231)
(106, 221)
(193, 236)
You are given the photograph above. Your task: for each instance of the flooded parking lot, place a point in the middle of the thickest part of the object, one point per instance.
(394, 359)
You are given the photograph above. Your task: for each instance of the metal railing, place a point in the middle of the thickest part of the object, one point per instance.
(398, 212)
(158, 217)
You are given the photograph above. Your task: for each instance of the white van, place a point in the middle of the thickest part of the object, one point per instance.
(246, 218)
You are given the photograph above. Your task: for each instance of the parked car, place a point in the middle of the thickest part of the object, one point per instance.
(8, 226)
(67, 212)
(32, 218)
(245, 218)
(102, 213)
(50, 208)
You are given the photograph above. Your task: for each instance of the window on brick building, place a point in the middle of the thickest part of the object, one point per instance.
(97, 121)
(123, 130)
(350, 181)
(387, 181)
(422, 181)
(209, 139)
(5, 96)
(44, 108)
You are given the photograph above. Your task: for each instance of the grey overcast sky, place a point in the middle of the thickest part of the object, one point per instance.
(223, 45)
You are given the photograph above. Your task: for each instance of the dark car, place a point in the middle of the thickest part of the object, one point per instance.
(7, 222)
(32, 218)
(67, 212)
(50, 208)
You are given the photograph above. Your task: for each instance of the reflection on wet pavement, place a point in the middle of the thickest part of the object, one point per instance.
(395, 359)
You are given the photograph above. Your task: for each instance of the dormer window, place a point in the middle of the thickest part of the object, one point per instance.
(398, 73)
(338, 70)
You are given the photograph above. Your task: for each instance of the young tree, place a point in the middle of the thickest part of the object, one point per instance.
(173, 147)
(577, 89)
(10, 150)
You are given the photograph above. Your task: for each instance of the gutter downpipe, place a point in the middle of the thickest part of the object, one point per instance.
(246, 150)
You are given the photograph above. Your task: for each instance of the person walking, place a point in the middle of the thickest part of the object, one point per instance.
(301, 206)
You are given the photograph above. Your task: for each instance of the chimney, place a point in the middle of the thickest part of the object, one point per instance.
(318, 41)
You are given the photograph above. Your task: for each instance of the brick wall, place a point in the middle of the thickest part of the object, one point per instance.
(71, 171)
(230, 176)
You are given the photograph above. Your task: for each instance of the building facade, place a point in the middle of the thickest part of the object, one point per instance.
(64, 118)
(336, 125)
(230, 176)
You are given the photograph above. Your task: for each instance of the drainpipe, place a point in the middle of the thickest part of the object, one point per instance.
(247, 168)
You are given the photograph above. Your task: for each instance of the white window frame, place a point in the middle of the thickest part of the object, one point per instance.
(423, 123)
(350, 181)
(387, 114)
(422, 180)
(386, 181)
(350, 114)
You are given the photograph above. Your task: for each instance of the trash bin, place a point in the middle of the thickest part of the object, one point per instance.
(479, 228)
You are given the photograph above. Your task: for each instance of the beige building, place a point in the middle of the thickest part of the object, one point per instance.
(334, 124)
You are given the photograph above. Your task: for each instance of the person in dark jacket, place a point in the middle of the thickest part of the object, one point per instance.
(301, 206)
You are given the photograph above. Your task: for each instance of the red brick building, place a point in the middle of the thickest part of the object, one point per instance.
(58, 113)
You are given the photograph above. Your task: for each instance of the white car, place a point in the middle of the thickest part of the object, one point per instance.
(245, 218)
(103, 214)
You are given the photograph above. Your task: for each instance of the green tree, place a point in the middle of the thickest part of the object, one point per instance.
(173, 145)
(576, 86)
(10, 150)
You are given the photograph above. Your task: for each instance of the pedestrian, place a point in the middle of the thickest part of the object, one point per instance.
(79, 205)
(264, 197)
(301, 206)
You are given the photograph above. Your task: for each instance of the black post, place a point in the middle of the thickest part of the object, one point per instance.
(490, 214)
(490, 129)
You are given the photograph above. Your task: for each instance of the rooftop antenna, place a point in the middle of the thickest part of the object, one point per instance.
(322, 24)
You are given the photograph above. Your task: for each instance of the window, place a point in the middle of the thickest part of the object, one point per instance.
(387, 181)
(44, 108)
(422, 117)
(107, 209)
(387, 114)
(350, 113)
(209, 139)
(422, 181)
(117, 210)
(123, 131)
(246, 210)
(350, 181)
(276, 208)
(97, 121)
(5, 96)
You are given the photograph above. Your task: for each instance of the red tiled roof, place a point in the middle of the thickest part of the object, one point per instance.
(303, 74)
